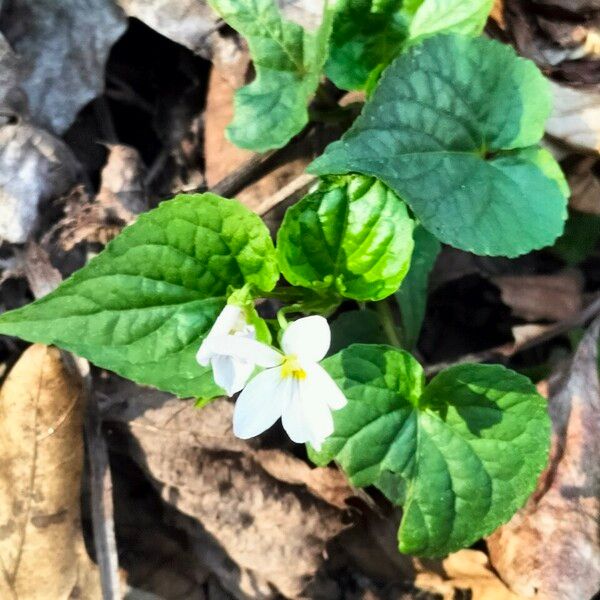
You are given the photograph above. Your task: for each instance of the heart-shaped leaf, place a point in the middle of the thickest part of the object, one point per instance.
(353, 234)
(449, 129)
(462, 454)
(142, 307)
(288, 61)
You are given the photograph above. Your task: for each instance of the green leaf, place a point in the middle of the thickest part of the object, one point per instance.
(366, 36)
(353, 234)
(467, 17)
(412, 295)
(356, 327)
(288, 62)
(469, 446)
(449, 129)
(142, 307)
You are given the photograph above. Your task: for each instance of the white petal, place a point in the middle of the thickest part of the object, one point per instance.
(293, 419)
(319, 421)
(259, 405)
(225, 322)
(204, 353)
(323, 387)
(308, 338)
(246, 349)
(230, 373)
(307, 418)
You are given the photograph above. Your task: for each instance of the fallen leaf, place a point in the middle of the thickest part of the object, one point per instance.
(465, 570)
(12, 96)
(187, 22)
(562, 40)
(328, 484)
(222, 157)
(582, 176)
(273, 530)
(551, 548)
(153, 555)
(64, 46)
(42, 552)
(574, 6)
(122, 180)
(575, 117)
(86, 220)
(34, 166)
(542, 297)
(41, 275)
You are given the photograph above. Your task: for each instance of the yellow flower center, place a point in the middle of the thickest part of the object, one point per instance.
(291, 367)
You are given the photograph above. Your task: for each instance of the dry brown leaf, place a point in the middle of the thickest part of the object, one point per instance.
(551, 548)
(223, 157)
(12, 97)
(64, 46)
(575, 116)
(187, 22)
(575, 6)
(34, 166)
(585, 185)
(274, 532)
(87, 221)
(466, 570)
(122, 180)
(42, 553)
(41, 275)
(122, 196)
(542, 297)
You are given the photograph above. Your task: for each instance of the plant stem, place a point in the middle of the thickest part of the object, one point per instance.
(386, 316)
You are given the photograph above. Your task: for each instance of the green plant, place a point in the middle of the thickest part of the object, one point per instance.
(445, 150)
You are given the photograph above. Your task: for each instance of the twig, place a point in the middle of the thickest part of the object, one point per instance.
(294, 189)
(101, 500)
(508, 350)
(236, 181)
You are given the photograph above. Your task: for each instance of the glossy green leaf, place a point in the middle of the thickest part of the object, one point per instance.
(467, 17)
(142, 307)
(469, 446)
(451, 128)
(412, 295)
(366, 36)
(353, 234)
(288, 61)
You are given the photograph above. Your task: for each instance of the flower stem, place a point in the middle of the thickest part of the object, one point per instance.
(386, 316)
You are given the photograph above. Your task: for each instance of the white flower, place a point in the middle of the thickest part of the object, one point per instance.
(229, 372)
(293, 386)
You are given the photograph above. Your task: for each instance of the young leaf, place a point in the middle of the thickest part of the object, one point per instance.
(366, 36)
(469, 446)
(448, 129)
(412, 295)
(142, 307)
(352, 234)
(467, 17)
(288, 62)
